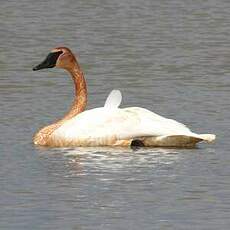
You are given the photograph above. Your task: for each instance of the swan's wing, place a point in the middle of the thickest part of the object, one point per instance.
(103, 126)
(113, 100)
(152, 124)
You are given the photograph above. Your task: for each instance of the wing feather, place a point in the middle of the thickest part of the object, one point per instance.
(113, 100)
(103, 124)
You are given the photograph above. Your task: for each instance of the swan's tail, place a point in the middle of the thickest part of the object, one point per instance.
(207, 137)
(177, 140)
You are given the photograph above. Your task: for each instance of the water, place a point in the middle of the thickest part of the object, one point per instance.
(171, 57)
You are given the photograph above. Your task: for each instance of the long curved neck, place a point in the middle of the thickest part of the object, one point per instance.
(80, 100)
(44, 137)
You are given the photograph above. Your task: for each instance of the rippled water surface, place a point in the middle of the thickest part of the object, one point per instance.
(172, 57)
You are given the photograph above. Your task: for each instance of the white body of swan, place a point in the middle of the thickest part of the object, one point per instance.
(111, 125)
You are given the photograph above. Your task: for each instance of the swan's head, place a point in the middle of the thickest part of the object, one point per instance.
(61, 57)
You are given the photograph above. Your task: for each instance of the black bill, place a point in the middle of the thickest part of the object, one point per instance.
(49, 62)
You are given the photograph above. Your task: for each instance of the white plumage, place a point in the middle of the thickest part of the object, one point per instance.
(109, 124)
(113, 100)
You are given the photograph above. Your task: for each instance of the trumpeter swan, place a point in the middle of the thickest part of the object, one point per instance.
(109, 125)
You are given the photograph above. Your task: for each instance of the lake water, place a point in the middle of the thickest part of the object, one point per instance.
(172, 57)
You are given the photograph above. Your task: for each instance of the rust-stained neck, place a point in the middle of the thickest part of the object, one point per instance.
(80, 100)
(43, 137)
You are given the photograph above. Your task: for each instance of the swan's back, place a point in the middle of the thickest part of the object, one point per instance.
(110, 125)
(101, 126)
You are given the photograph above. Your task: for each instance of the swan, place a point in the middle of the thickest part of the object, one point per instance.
(108, 125)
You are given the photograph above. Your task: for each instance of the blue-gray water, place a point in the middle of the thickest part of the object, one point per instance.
(172, 57)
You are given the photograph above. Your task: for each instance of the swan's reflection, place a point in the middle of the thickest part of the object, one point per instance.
(86, 170)
(72, 152)
(108, 159)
